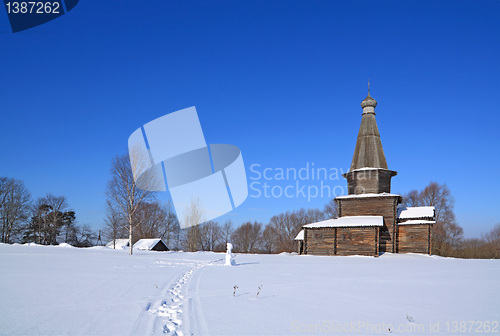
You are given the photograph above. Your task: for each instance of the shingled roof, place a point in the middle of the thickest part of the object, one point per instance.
(368, 151)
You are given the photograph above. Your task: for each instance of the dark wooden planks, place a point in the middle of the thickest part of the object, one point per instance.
(415, 238)
(384, 206)
(342, 241)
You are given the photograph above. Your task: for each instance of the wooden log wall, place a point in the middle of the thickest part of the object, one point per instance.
(320, 241)
(414, 238)
(374, 206)
(342, 241)
(369, 181)
(359, 182)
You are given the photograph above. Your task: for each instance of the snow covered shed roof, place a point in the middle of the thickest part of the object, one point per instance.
(118, 243)
(151, 245)
(349, 221)
(416, 212)
(417, 221)
(300, 235)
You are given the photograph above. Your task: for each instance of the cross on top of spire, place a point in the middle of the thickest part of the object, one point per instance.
(369, 102)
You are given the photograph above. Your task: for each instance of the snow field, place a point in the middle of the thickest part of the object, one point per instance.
(48, 290)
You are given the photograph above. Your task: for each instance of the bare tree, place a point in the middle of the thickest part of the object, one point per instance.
(269, 244)
(493, 242)
(285, 228)
(412, 199)
(331, 209)
(226, 231)
(81, 236)
(247, 238)
(114, 226)
(170, 226)
(58, 205)
(210, 236)
(192, 216)
(486, 247)
(15, 201)
(36, 230)
(287, 225)
(124, 194)
(4, 186)
(447, 234)
(49, 215)
(151, 218)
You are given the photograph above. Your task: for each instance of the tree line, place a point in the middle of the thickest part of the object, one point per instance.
(48, 220)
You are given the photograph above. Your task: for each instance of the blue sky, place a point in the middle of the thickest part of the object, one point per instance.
(282, 80)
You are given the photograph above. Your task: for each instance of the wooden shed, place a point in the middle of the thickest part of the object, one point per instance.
(300, 242)
(414, 229)
(151, 245)
(118, 244)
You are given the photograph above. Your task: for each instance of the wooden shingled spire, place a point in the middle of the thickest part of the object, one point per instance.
(368, 151)
(369, 173)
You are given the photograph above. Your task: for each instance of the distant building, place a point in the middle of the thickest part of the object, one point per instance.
(371, 219)
(118, 243)
(151, 245)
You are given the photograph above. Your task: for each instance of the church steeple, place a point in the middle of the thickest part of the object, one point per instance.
(368, 151)
(369, 172)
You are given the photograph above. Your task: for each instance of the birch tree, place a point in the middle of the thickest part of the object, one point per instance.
(192, 216)
(123, 193)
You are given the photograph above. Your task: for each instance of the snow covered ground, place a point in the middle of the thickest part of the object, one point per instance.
(47, 290)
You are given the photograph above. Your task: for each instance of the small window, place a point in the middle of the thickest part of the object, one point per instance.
(318, 236)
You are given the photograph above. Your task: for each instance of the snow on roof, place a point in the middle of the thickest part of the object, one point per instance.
(348, 221)
(146, 244)
(417, 221)
(119, 243)
(367, 195)
(368, 168)
(300, 235)
(416, 212)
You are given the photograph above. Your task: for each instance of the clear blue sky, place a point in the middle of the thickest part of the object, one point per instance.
(282, 80)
